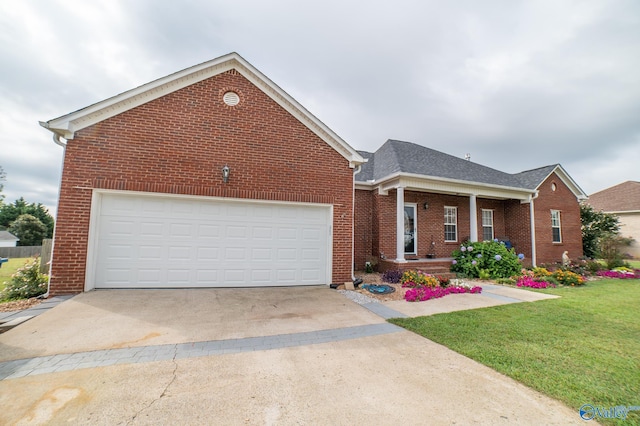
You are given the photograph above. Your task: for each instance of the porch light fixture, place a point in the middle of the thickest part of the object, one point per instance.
(426, 205)
(225, 173)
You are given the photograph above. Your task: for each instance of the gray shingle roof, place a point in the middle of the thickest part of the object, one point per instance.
(530, 179)
(406, 157)
(8, 236)
(619, 198)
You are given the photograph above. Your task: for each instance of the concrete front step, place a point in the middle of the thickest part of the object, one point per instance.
(440, 266)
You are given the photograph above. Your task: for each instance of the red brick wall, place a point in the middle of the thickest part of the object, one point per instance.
(384, 226)
(498, 207)
(511, 220)
(363, 236)
(564, 200)
(179, 143)
(430, 222)
(518, 228)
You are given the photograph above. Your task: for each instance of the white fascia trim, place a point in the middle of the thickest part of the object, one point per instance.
(622, 212)
(363, 185)
(67, 125)
(418, 182)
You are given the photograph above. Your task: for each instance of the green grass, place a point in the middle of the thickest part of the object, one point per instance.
(634, 263)
(582, 348)
(9, 268)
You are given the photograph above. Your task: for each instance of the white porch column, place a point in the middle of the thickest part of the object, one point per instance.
(473, 219)
(400, 225)
(533, 232)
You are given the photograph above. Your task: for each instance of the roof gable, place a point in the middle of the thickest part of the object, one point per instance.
(532, 179)
(66, 125)
(619, 198)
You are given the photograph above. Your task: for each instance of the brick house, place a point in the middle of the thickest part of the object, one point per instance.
(215, 177)
(623, 200)
(414, 204)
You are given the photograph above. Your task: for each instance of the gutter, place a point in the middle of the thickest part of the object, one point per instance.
(57, 140)
(353, 223)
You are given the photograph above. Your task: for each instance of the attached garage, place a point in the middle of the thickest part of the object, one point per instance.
(152, 241)
(209, 177)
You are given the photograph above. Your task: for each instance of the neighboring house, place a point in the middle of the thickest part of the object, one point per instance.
(623, 200)
(7, 239)
(215, 177)
(414, 203)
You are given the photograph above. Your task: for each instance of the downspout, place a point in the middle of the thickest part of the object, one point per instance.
(353, 224)
(56, 139)
(533, 229)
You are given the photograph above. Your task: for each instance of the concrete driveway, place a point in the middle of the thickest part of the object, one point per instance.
(246, 356)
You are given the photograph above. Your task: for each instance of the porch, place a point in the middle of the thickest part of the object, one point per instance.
(438, 266)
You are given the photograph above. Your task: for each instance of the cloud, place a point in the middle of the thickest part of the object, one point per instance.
(518, 85)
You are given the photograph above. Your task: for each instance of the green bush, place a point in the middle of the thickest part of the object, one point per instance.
(26, 282)
(488, 259)
(593, 266)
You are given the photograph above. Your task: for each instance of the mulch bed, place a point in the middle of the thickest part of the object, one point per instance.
(19, 305)
(375, 278)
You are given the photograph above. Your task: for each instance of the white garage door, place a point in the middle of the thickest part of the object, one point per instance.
(143, 241)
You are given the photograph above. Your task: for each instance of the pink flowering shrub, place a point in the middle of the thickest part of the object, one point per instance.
(420, 294)
(622, 274)
(527, 281)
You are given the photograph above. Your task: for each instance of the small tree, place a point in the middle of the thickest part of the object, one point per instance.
(595, 227)
(10, 212)
(610, 245)
(29, 229)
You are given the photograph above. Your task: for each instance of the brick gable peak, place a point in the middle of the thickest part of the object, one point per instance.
(66, 125)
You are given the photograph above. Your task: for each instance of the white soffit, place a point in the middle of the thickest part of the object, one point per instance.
(447, 186)
(67, 125)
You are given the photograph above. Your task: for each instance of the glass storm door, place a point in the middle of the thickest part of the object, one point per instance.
(410, 229)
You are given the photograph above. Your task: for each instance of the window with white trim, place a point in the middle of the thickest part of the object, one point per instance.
(487, 225)
(555, 226)
(450, 224)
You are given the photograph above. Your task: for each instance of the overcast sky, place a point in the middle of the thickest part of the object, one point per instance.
(517, 84)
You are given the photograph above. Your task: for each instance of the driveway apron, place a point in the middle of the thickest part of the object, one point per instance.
(304, 355)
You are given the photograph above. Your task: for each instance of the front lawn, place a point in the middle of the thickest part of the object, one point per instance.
(634, 263)
(580, 349)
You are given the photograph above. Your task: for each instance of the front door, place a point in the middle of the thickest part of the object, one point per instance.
(410, 229)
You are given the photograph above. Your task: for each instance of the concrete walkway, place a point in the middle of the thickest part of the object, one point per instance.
(252, 356)
(11, 319)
